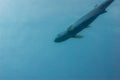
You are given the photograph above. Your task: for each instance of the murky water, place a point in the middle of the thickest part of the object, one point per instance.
(28, 51)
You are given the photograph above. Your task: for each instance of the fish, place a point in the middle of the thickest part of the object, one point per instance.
(84, 22)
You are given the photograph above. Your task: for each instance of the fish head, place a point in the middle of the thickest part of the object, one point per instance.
(62, 37)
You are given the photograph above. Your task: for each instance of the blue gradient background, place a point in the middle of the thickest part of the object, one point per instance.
(27, 32)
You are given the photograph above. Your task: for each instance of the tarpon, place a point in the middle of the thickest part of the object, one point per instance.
(84, 22)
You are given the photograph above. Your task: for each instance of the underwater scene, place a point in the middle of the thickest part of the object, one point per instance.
(59, 39)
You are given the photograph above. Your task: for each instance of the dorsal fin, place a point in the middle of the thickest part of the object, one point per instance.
(96, 5)
(69, 28)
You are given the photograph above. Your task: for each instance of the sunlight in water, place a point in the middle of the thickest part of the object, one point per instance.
(4, 5)
(28, 29)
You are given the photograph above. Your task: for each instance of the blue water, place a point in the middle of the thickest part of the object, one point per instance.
(27, 49)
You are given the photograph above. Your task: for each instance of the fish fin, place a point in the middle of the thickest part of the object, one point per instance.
(69, 28)
(96, 5)
(104, 12)
(78, 36)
